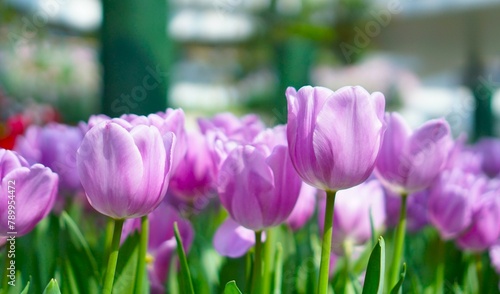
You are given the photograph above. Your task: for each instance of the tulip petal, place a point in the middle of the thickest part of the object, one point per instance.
(232, 239)
(303, 108)
(35, 193)
(347, 138)
(428, 150)
(110, 168)
(389, 159)
(150, 144)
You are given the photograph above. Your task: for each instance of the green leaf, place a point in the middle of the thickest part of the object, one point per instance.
(52, 288)
(231, 288)
(126, 266)
(26, 289)
(80, 273)
(398, 288)
(374, 280)
(186, 283)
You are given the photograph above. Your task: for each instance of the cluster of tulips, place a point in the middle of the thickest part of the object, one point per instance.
(340, 156)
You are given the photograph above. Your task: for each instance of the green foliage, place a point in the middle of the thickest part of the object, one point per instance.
(374, 281)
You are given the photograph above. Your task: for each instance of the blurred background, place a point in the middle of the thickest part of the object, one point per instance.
(64, 60)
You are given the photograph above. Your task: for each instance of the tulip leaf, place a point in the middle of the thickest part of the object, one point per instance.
(80, 273)
(398, 288)
(126, 266)
(52, 288)
(374, 279)
(26, 289)
(185, 276)
(231, 288)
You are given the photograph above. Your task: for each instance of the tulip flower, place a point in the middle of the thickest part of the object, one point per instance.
(258, 191)
(451, 201)
(489, 149)
(410, 161)
(124, 170)
(28, 191)
(239, 129)
(194, 178)
(54, 146)
(334, 139)
(484, 229)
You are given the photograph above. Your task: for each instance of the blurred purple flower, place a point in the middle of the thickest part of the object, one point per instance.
(489, 148)
(34, 190)
(125, 169)
(54, 146)
(334, 137)
(194, 177)
(410, 161)
(304, 208)
(416, 213)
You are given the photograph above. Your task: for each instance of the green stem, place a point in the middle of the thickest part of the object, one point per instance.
(113, 257)
(326, 246)
(399, 241)
(348, 287)
(439, 282)
(143, 247)
(279, 268)
(257, 265)
(268, 261)
(110, 225)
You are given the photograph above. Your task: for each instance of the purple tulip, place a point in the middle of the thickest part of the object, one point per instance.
(161, 242)
(451, 200)
(28, 191)
(489, 148)
(233, 240)
(334, 137)
(409, 161)
(484, 229)
(353, 207)
(125, 169)
(259, 190)
(54, 146)
(172, 120)
(194, 177)
(304, 208)
(416, 213)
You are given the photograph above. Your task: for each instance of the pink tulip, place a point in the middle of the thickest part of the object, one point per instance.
(334, 137)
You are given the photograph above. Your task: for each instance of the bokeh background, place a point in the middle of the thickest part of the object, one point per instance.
(64, 60)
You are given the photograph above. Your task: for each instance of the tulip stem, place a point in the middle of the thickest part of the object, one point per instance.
(268, 266)
(399, 240)
(326, 246)
(113, 257)
(257, 264)
(141, 263)
(110, 225)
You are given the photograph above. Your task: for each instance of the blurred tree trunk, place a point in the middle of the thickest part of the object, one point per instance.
(136, 53)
